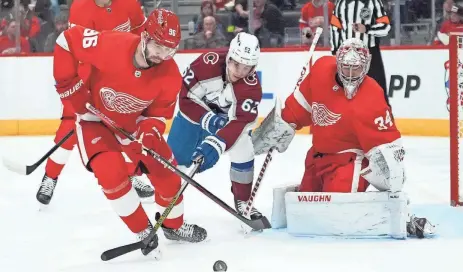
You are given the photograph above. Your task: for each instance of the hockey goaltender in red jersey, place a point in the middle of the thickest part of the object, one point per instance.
(135, 82)
(355, 141)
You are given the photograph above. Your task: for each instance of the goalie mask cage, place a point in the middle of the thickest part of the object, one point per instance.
(456, 117)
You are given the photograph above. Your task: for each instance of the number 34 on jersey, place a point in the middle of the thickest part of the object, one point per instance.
(384, 122)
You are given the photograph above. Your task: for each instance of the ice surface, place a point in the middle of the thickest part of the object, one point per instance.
(79, 225)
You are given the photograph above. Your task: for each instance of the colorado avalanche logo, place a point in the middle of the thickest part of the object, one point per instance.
(322, 116)
(211, 58)
(122, 102)
(251, 79)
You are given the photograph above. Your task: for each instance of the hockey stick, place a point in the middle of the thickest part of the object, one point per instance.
(268, 158)
(118, 251)
(262, 223)
(28, 169)
(250, 202)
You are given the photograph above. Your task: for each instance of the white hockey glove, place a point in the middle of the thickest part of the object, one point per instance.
(386, 170)
(273, 132)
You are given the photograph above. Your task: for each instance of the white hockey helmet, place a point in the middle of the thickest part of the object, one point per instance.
(353, 62)
(244, 49)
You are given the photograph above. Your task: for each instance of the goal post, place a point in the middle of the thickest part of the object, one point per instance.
(456, 117)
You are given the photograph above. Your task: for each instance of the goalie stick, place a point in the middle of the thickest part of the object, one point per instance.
(250, 202)
(268, 158)
(258, 224)
(28, 169)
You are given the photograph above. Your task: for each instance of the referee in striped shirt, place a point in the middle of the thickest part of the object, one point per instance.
(367, 21)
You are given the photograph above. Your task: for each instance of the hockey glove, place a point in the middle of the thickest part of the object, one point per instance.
(210, 150)
(74, 91)
(212, 122)
(149, 135)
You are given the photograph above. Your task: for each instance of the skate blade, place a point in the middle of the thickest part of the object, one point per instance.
(157, 254)
(42, 207)
(248, 231)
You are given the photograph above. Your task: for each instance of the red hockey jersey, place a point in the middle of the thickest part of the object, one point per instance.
(119, 90)
(337, 123)
(121, 15)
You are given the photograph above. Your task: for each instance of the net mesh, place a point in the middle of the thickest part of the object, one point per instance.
(459, 113)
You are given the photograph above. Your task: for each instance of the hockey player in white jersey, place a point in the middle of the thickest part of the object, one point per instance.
(217, 110)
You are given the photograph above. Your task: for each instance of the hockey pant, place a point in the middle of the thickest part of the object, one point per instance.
(101, 153)
(185, 136)
(59, 158)
(338, 172)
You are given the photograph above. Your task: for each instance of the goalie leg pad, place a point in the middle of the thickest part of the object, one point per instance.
(370, 214)
(279, 207)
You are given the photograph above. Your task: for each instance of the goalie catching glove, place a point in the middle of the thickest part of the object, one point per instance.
(273, 132)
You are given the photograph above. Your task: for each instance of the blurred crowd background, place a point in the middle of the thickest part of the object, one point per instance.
(33, 25)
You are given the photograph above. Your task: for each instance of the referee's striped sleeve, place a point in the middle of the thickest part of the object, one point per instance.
(382, 26)
(336, 28)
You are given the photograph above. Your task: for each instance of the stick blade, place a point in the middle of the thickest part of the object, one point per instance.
(259, 224)
(15, 167)
(118, 251)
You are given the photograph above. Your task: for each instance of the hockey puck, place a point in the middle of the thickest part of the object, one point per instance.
(220, 266)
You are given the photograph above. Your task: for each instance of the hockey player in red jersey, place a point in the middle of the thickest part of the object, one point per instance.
(355, 141)
(217, 109)
(135, 82)
(117, 15)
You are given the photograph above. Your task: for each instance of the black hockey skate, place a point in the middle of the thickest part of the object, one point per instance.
(46, 189)
(186, 233)
(153, 244)
(419, 227)
(240, 207)
(143, 190)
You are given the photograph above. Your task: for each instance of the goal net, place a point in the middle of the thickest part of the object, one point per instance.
(456, 117)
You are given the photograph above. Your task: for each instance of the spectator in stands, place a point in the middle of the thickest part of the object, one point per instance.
(31, 26)
(239, 20)
(8, 38)
(61, 24)
(209, 37)
(207, 9)
(268, 18)
(312, 16)
(6, 5)
(453, 24)
(447, 7)
(268, 22)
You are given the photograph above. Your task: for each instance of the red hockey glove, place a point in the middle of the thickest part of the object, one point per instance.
(74, 91)
(149, 134)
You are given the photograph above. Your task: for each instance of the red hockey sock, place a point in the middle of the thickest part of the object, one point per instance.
(241, 191)
(175, 218)
(59, 158)
(112, 174)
